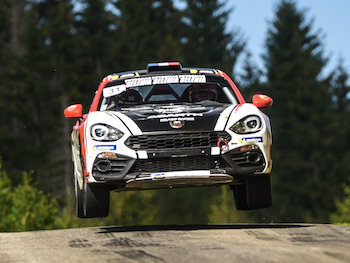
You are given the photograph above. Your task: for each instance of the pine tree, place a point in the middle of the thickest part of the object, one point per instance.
(5, 91)
(45, 80)
(96, 28)
(250, 78)
(147, 31)
(302, 119)
(206, 41)
(340, 90)
(13, 130)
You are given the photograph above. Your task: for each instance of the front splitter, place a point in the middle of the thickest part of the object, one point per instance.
(176, 180)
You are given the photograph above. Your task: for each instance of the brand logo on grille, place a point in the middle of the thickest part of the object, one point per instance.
(176, 124)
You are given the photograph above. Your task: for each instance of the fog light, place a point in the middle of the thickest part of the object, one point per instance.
(103, 166)
(254, 157)
(248, 147)
(107, 155)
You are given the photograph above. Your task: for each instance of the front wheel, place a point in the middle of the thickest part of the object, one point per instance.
(254, 193)
(79, 199)
(96, 200)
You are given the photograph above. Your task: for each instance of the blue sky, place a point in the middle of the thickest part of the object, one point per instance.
(330, 16)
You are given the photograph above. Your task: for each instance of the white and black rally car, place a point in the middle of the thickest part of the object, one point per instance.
(166, 127)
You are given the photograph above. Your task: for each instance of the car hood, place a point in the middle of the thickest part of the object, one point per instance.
(175, 117)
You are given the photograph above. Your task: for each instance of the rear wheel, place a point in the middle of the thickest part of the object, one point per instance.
(254, 193)
(96, 200)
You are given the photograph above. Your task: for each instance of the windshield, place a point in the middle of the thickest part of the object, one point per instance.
(117, 97)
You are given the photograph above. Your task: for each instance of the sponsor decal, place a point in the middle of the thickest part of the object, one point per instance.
(114, 90)
(250, 139)
(175, 117)
(158, 176)
(104, 147)
(176, 120)
(167, 79)
(192, 79)
(138, 82)
(181, 174)
(178, 109)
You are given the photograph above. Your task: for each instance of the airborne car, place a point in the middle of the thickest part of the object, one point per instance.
(166, 127)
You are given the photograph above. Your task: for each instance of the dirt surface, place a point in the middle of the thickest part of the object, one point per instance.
(195, 243)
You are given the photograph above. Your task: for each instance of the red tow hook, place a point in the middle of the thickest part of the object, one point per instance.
(222, 144)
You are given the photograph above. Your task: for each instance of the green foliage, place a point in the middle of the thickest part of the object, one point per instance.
(302, 120)
(342, 214)
(132, 208)
(198, 205)
(184, 205)
(24, 207)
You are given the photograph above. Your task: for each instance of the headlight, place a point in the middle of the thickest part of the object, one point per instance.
(105, 132)
(248, 124)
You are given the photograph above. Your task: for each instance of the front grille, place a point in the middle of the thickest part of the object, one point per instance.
(180, 164)
(176, 140)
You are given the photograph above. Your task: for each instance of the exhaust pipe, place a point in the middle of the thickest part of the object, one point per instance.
(103, 165)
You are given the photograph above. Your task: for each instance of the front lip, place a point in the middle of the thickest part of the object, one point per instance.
(177, 179)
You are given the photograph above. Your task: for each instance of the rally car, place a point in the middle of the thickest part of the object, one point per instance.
(166, 127)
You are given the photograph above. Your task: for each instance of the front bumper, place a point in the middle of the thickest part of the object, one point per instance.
(122, 168)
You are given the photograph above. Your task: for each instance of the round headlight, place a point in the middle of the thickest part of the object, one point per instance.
(105, 132)
(253, 123)
(249, 124)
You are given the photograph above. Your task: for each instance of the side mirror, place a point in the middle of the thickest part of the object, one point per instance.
(74, 111)
(262, 101)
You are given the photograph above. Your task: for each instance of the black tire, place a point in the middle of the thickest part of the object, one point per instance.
(240, 196)
(254, 193)
(79, 198)
(96, 200)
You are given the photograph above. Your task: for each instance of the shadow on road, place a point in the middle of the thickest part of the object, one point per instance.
(197, 227)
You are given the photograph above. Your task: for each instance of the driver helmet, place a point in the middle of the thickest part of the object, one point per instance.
(200, 92)
(129, 97)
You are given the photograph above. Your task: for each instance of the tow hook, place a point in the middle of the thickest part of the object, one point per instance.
(222, 144)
